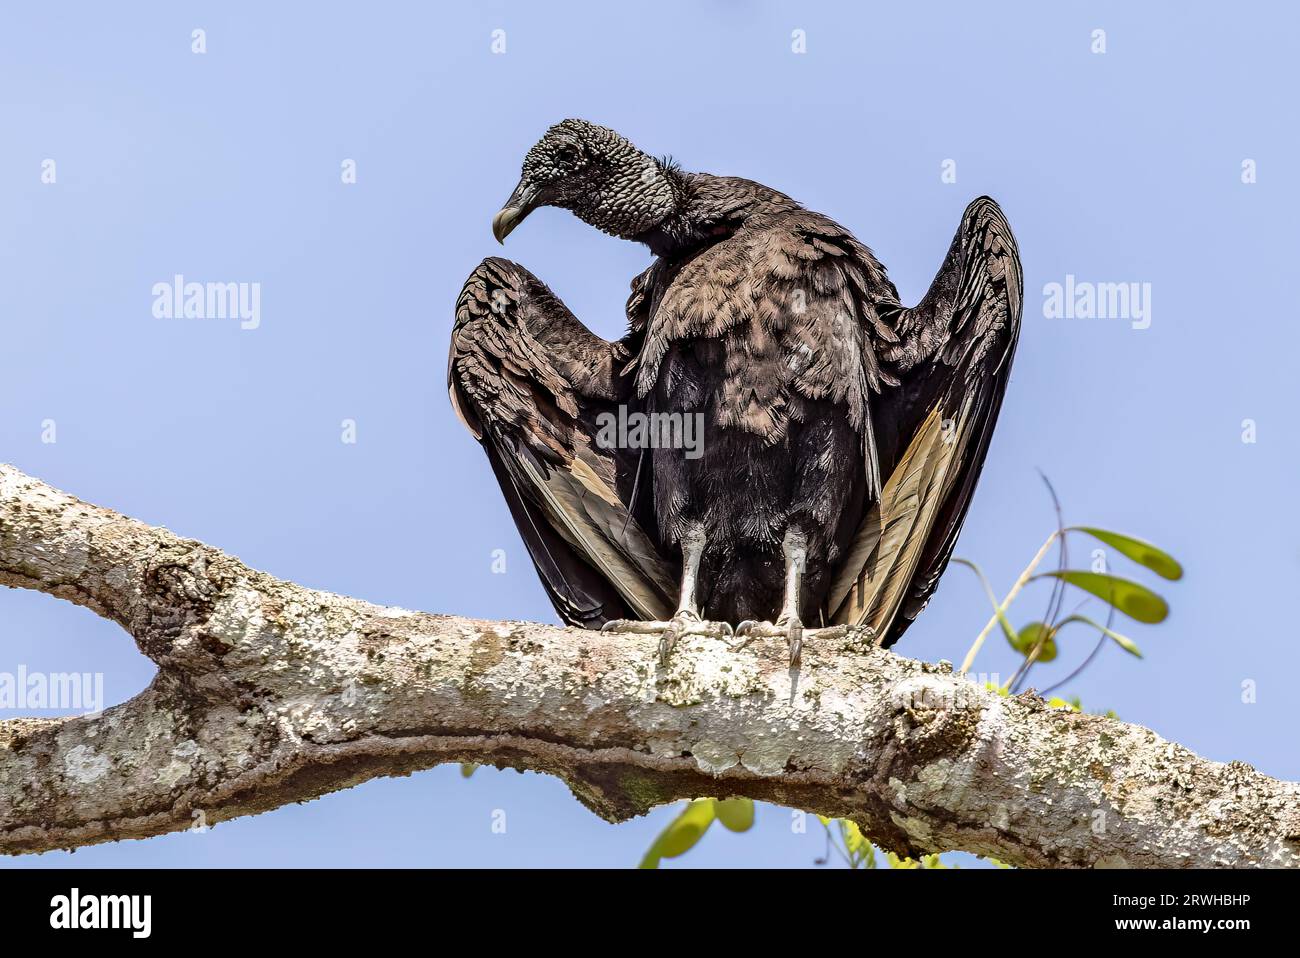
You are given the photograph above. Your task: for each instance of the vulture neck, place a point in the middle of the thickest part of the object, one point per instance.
(709, 209)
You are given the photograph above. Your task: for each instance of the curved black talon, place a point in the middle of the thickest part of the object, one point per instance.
(794, 632)
(666, 643)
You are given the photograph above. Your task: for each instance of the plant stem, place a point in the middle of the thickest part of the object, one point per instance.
(1086, 662)
(1058, 587)
(1002, 609)
(1014, 682)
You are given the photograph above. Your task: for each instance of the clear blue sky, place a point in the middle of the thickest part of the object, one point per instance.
(1115, 167)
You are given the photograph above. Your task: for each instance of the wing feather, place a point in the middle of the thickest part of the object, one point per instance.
(529, 381)
(953, 360)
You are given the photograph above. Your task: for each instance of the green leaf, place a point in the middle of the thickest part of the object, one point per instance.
(862, 854)
(736, 814)
(925, 861)
(1029, 637)
(682, 833)
(466, 769)
(1003, 621)
(1134, 600)
(1143, 553)
(1123, 641)
(854, 840)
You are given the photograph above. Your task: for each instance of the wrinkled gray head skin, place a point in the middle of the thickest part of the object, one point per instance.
(596, 174)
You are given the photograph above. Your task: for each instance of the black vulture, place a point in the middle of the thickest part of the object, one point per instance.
(842, 433)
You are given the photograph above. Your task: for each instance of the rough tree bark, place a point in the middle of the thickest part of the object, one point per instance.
(269, 693)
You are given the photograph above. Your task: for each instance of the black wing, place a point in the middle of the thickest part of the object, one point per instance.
(953, 360)
(529, 381)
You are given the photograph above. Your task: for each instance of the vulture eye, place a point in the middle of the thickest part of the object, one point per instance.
(568, 155)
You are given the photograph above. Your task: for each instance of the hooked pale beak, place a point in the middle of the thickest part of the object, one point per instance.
(522, 202)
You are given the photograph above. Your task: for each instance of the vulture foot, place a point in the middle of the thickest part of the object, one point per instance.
(790, 629)
(682, 624)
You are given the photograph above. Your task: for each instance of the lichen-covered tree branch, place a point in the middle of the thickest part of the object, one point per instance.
(268, 693)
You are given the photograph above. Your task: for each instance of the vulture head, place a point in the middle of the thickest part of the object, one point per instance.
(595, 174)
